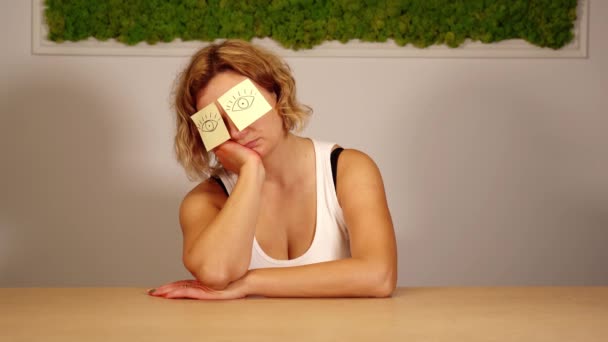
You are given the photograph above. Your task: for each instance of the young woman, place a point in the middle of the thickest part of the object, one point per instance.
(276, 214)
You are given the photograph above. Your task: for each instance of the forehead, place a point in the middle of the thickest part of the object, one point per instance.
(217, 86)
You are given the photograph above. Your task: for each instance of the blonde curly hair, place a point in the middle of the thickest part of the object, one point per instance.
(258, 64)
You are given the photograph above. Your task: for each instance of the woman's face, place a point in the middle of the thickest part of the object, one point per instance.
(262, 135)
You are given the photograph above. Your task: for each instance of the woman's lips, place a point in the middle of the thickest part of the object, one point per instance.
(251, 144)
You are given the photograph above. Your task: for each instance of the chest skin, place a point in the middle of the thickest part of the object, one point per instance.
(287, 219)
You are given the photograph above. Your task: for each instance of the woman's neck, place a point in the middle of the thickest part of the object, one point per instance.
(287, 163)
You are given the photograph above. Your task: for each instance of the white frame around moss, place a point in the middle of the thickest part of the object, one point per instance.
(515, 48)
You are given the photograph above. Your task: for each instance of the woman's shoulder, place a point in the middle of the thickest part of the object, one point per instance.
(207, 192)
(354, 166)
(351, 158)
(332, 146)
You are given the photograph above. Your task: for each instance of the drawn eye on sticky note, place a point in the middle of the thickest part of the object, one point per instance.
(244, 104)
(211, 127)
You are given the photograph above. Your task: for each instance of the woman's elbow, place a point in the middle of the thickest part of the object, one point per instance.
(385, 289)
(384, 283)
(215, 278)
(214, 275)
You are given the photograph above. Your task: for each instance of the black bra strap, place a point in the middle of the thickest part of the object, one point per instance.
(334, 163)
(219, 181)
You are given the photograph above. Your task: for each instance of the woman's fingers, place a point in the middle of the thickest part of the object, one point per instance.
(190, 292)
(185, 292)
(161, 290)
(196, 290)
(233, 156)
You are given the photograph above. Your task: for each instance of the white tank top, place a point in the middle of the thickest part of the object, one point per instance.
(331, 241)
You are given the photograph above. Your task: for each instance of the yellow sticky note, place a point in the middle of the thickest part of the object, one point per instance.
(210, 126)
(244, 104)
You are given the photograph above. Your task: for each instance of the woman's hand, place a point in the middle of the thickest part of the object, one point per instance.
(234, 156)
(193, 289)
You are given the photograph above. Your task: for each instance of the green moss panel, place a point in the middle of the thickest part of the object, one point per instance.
(303, 24)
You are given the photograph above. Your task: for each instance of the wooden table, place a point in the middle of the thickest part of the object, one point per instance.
(573, 314)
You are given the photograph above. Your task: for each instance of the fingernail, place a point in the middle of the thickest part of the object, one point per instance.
(151, 291)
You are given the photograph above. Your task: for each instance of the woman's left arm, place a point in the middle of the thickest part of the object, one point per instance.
(370, 272)
(372, 269)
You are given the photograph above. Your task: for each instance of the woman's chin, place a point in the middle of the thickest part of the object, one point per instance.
(259, 150)
(256, 146)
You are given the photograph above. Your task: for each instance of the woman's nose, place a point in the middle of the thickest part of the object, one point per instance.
(235, 134)
(232, 130)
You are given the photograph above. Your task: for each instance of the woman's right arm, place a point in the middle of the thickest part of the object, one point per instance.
(219, 231)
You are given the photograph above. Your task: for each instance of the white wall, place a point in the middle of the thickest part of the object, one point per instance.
(496, 169)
